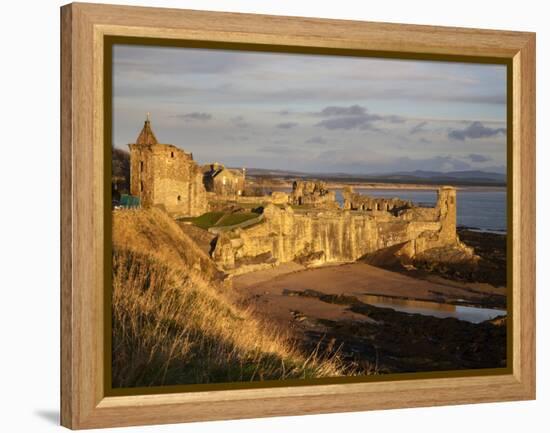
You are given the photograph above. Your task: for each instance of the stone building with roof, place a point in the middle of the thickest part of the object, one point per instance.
(166, 176)
(222, 181)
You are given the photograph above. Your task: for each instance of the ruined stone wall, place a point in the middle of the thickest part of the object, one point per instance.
(356, 201)
(287, 235)
(229, 183)
(222, 181)
(316, 237)
(312, 194)
(279, 197)
(219, 202)
(164, 175)
(141, 174)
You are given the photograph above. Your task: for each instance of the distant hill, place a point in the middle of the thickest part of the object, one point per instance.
(465, 175)
(470, 177)
(275, 172)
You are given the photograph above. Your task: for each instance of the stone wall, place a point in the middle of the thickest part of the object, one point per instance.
(221, 202)
(324, 236)
(312, 194)
(141, 174)
(356, 201)
(222, 181)
(164, 175)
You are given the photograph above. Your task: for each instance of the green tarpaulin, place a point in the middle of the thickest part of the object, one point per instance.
(129, 201)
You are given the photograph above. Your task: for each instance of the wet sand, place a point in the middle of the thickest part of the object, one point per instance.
(328, 307)
(266, 289)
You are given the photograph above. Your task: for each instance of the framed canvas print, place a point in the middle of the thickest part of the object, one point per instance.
(267, 216)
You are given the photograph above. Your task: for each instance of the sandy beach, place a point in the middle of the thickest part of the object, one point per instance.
(373, 314)
(269, 289)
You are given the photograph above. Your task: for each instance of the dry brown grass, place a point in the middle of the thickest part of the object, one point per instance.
(154, 233)
(173, 324)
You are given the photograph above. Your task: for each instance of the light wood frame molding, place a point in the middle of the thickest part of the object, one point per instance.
(83, 400)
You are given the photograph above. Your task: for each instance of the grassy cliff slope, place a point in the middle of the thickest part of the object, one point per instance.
(173, 323)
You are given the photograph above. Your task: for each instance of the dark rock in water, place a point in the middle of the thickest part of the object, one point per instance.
(404, 342)
(489, 268)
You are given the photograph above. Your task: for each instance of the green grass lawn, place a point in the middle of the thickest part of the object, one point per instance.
(235, 218)
(207, 220)
(220, 219)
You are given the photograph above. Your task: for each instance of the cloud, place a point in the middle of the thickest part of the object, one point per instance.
(392, 118)
(437, 163)
(476, 157)
(154, 60)
(275, 149)
(279, 141)
(194, 116)
(372, 163)
(316, 140)
(352, 110)
(353, 117)
(468, 97)
(286, 125)
(249, 93)
(237, 137)
(475, 130)
(420, 127)
(349, 122)
(239, 122)
(342, 122)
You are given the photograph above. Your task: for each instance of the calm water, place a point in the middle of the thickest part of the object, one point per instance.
(484, 210)
(427, 308)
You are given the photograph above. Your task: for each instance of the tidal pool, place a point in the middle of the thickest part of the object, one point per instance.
(428, 308)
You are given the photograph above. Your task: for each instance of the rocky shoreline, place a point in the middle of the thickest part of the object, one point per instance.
(324, 309)
(395, 342)
(489, 268)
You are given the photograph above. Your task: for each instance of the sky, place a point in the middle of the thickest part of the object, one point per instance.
(312, 113)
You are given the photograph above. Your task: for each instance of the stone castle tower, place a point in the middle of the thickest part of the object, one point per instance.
(164, 175)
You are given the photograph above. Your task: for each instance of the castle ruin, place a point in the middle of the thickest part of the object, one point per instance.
(224, 182)
(312, 193)
(319, 236)
(164, 175)
(356, 201)
(307, 225)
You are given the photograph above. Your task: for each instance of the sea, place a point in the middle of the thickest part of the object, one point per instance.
(478, 209)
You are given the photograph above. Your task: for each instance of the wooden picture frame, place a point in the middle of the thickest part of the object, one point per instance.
(84, 27)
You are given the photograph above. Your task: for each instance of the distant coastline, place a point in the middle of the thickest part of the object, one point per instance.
(414, 180)
(287, 184)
